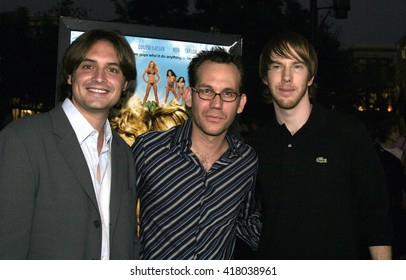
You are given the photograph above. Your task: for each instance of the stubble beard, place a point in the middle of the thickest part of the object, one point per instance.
(288, 103)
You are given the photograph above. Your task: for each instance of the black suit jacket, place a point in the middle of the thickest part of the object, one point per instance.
(48, 208)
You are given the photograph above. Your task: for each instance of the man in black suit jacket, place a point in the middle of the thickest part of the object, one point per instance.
(67, 181)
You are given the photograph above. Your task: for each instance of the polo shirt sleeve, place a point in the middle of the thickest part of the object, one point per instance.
(370, 190)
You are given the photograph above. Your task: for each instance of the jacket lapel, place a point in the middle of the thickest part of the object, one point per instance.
(70, 149)
(118, 176)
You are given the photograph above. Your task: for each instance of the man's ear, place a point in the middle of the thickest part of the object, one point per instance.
(241, 104)
(310, 82)
(69, 80)
(188, 96)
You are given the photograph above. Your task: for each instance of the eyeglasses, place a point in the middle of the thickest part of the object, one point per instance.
(208, 94)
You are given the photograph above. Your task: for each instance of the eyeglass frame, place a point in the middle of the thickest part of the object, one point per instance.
(237, 94)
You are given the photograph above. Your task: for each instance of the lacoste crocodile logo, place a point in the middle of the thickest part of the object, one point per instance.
(321, 160)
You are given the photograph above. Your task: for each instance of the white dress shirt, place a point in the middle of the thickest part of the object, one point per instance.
(87, 137)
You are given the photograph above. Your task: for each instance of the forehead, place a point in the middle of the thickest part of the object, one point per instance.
(103, 49)
(213, 72)
(285, 53)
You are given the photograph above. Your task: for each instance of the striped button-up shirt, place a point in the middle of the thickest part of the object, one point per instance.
(186, 212)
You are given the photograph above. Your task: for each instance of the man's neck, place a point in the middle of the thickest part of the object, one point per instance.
(96, 118)
(388, 144)
(208, 149)
(294, 118)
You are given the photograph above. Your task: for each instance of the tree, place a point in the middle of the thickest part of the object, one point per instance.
(65, 8)
(169, 13)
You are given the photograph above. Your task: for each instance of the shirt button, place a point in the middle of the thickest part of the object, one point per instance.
(289, 145)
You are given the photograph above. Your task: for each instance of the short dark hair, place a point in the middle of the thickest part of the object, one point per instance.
(77, 51)
(386, 126)
(218, 55)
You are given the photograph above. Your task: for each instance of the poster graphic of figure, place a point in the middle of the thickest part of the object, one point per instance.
(171, 86)
(152, 80)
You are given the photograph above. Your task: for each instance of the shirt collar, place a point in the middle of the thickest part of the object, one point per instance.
(183, 138)
(316, 119)
(83, 129)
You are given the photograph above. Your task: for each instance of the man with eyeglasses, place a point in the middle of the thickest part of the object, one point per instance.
(196, 180)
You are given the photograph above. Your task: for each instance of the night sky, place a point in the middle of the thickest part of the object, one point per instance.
(376, 22)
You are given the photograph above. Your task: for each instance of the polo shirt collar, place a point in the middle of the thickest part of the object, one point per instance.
(317, 118)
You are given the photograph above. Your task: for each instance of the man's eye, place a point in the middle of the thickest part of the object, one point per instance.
(87, 66)
(113, 70)
(228, 93)
(206, 91)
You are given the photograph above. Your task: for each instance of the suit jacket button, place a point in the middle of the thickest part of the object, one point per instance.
(97, 223)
